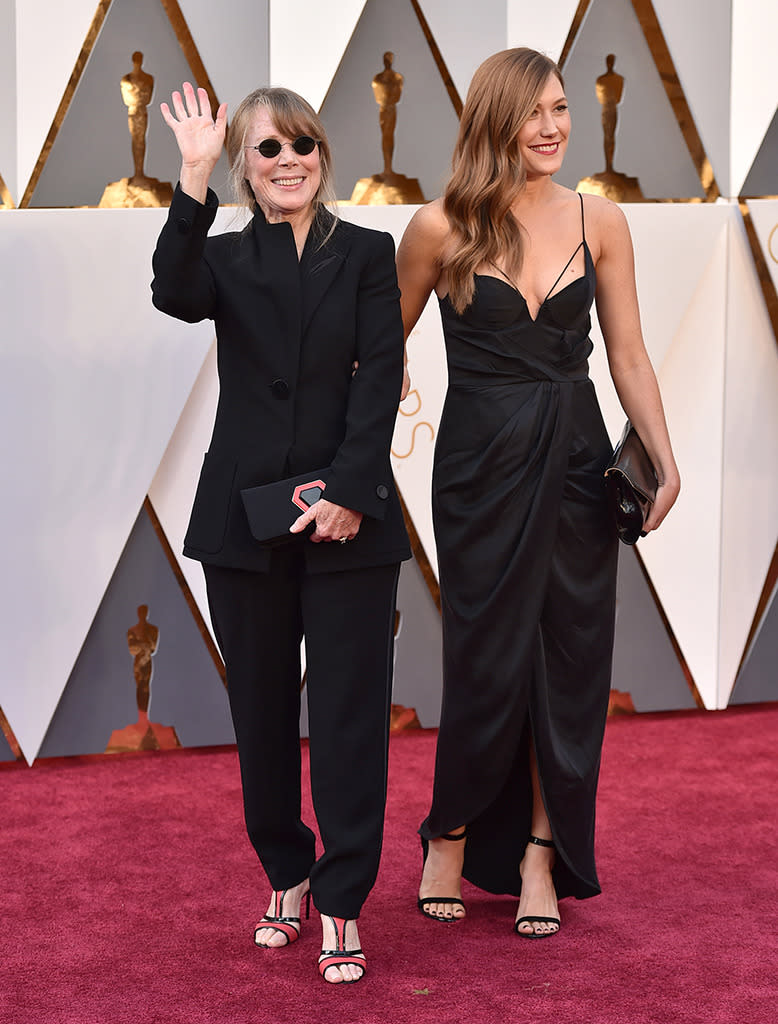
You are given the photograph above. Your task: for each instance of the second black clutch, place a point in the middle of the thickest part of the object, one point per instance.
(632, 484)
(272, 508)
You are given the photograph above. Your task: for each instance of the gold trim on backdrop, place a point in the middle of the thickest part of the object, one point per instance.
(186, 43)
(654, 36)
(671, 635)
(437, 56)
(213, 650)
(10, 739)
(575, 25)
(5, 195)
(762, 269)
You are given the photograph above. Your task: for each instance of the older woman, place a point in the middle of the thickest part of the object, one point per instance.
(298, 299)
(526, 548)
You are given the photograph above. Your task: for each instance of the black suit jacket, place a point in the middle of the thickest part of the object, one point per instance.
(288, 331)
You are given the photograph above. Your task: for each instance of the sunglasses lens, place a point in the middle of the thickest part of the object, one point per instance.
(269, 148)
(304, 145)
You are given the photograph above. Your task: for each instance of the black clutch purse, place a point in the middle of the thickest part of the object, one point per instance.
(632, 483)
(272, 508)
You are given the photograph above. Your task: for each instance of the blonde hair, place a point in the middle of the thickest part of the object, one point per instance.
(488, 173)
(293, 116)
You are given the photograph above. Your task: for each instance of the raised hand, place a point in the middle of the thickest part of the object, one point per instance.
(200, 138)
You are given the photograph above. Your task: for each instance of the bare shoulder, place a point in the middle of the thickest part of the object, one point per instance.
(603, 214)
(606, 226)
(429, 224)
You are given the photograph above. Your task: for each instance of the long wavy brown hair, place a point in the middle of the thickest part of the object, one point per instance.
(488, 172)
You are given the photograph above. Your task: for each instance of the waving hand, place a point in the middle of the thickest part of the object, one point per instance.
(200, 138)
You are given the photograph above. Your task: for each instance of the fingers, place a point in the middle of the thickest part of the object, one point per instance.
(333, 522)
(302, 521)
(192, 105)
(406, 386)
(178, 106)
(168, 118)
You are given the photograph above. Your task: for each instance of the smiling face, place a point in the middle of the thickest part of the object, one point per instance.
(543, 136)
(284, 186)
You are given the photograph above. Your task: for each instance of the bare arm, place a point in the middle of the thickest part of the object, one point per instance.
(630, 367)
(419, 258)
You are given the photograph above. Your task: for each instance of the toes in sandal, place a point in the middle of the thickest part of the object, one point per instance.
(449, 901)
(341, 956)
(533, 918)
(288, 926)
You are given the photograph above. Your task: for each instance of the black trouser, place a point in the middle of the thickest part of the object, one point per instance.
(347, 619)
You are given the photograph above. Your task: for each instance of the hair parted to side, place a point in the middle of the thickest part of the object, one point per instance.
(293, 116)
(488, 172)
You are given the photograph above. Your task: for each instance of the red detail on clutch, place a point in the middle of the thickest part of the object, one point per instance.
(303, 500)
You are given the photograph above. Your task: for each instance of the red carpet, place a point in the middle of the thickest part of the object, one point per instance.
(130, 894)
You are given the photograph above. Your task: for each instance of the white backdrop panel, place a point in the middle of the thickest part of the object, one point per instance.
(49, 39)
(543, 27)
(8, 91)
(682, 297)
(750, 455)
(173, 488)
(754, 82)
(95, 379)
(764, 217)
(683, 557)
(299, 57)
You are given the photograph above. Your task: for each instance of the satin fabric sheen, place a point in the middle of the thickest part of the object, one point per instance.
(527, 558)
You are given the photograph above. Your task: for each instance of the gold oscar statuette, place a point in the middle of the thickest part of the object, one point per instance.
(142, 641)
(611, 183)
(137, 87)
(388, 187)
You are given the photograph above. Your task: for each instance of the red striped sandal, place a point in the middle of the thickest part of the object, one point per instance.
(288, 926)
(341, 956)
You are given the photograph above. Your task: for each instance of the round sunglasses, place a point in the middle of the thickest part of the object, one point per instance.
(270, 148)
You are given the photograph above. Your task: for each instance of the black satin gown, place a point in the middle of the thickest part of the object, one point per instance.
(527, 558)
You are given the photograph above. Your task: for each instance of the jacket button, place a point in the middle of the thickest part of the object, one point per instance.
(279, 388)
(382, 492)
(183, 226)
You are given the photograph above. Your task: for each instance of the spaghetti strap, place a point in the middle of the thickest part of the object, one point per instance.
(561, 275)
(575, 253)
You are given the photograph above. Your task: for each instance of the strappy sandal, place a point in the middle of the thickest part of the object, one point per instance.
(341, 956)
(450, 901)
(533, 918)
(288, 926)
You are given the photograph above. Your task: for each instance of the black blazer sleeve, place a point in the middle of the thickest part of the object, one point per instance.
(361, 473)
(183, 284)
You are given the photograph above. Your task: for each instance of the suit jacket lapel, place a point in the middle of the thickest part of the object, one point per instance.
(320, 266)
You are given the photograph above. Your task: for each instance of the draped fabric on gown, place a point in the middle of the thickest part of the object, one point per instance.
(527, 559)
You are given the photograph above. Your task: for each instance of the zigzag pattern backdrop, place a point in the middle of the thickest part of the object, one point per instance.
(106, 402)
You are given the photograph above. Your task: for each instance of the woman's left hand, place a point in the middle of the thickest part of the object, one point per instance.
(333, 522)
(665, 499)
